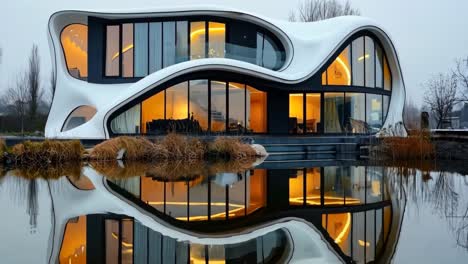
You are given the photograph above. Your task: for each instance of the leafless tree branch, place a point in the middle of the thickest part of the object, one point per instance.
(441, 96)
(33, 80)
(315, 10)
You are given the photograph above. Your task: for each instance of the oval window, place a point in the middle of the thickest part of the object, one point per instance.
(74, 39)
(79, 116)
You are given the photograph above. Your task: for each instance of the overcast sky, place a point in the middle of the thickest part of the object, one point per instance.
(428, 34)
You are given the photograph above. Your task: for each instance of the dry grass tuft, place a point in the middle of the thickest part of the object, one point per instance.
(230, 148)
(38, 154)
(136, 148)
(417, 146)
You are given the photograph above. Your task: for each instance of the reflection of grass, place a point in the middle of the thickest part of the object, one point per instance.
(170, 171)
(417, 146)
(71, 169)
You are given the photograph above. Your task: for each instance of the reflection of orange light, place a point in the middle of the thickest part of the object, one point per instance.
(195, 260)
(329, 200)
(125, 49)
(343, 232)
(125, 244)
(232, 212)
(363, 57)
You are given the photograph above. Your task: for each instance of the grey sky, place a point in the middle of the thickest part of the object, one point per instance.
(428, 34)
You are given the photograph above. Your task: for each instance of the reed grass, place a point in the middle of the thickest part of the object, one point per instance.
(416, 146)
(230, 148)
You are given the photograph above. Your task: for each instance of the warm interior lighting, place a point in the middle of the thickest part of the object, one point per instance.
(362, 243)
(345, 67)
(376, 105)
(366, 56)
(125, 49)
(238, 207)
(211, 30)
(345, 229)
(329, 200)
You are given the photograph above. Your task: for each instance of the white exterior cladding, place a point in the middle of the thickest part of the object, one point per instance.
(308, 47)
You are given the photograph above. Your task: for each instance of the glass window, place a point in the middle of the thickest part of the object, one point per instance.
(177, 104)
(339, 72)
(374, 111)
(141, 49)
(358, 61)
(296, 113)
(312, 112)
(74, 39)
(112, 50)
(182, 41)
(272, 56)
(169, 43)
(127, 50)
(236, 107)
(386, 102)
(379, 67)
(333, 108)
(127, 242)
(324, 78)
(79, 116)
(259, 51)
(355, 113)
(197, 40)
(155, 46)
(152, 115)
(296, 187)
(198, 105)
(127, 122)
(256, 110)
(218, 106)
(387, 75)
(217, 40)
(333, 185)
(369, 58)
(112, 241)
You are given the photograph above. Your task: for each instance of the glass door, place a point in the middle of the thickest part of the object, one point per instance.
(312, 105)
(304, 113)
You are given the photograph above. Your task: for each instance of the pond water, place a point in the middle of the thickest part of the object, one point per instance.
(207, 213)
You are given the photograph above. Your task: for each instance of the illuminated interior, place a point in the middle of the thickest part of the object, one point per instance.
(300, 104)
(181, 109)
(74, 39)
(79, 116)
(339, 72)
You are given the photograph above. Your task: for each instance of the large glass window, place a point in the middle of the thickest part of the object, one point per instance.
(198, 104)
(236, 107)
(387, 75)
(369, 58)
(355, 113)
(217, 40)
(127, 50)
(333, 108)
(112, 50)
(155, 46)
(386, 102)
(218, 106)
(152, 114)
(312, 112)
(339, 72)
(256, 110)
(272, 56)
(358, 61)
(74, 39)
(169, 43)
(197, 40)
(374, 111)
(296, 113)
(141, 49)
(177, 103)
(127, 122)
(378, 66)
(182, 41)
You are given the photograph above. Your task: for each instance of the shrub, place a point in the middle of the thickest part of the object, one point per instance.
(230, 148)
(46, 152)
(136, 148)
(417, 146)
(182, 147)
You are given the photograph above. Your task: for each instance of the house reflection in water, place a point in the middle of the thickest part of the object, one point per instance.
(350, 206)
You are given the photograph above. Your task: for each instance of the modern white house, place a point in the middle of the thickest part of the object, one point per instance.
(205, 70)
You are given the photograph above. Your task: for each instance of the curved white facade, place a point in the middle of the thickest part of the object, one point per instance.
(308, 47)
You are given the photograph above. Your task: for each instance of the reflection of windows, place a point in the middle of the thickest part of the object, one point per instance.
(155, 46)
(169, 43)
(74, 39)
(78, 117)
(296, 113)
(256, 110)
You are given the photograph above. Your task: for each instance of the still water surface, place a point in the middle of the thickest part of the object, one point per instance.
(268, 214)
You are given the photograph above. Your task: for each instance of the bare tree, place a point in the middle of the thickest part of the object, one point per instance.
(33, 81)
(17, 96)
(314, 10)
(461, 72)
(441, 96)
(412, 115)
